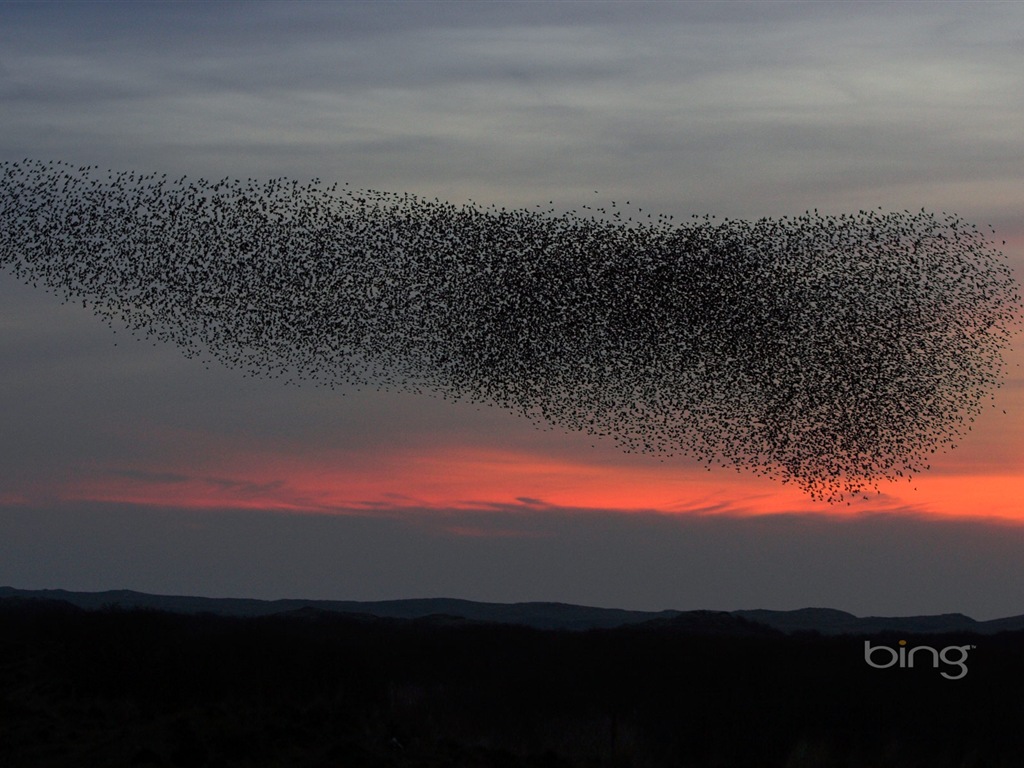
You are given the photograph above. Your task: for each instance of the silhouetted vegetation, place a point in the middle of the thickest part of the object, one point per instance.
(144, 688)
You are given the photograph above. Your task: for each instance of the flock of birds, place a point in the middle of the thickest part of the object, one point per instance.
(829, 351)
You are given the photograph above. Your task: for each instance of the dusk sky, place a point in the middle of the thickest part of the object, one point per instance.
(125, 465)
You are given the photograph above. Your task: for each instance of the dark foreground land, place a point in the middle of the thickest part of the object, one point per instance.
(145, 688)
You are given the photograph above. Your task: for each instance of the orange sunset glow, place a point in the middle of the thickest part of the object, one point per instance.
(453, 478)
(978, 480)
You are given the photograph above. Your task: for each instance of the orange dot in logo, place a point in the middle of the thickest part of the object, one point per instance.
(903, 642)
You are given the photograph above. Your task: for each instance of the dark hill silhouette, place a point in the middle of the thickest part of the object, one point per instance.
(829, 621)
(716, 623)
(36, 605)
(538, 615)
(313, 688)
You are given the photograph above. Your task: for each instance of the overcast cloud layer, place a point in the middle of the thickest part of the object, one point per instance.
(738, 109)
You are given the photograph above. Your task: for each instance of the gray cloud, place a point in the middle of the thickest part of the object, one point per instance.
(681, 103)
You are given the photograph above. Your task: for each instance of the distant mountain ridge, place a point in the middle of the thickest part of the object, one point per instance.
(538, 615)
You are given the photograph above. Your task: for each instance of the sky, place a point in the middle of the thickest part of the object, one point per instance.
(126, 465)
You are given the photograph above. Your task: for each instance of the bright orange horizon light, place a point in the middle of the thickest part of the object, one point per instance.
(463, 478)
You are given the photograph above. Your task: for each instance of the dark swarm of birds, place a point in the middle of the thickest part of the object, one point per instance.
(828, 351)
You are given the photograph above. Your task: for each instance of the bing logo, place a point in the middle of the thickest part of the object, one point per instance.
(952, 655)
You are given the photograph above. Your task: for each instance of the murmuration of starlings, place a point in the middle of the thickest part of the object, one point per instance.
(828, 351)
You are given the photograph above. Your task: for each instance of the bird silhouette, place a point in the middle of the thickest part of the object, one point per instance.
(828, 351)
